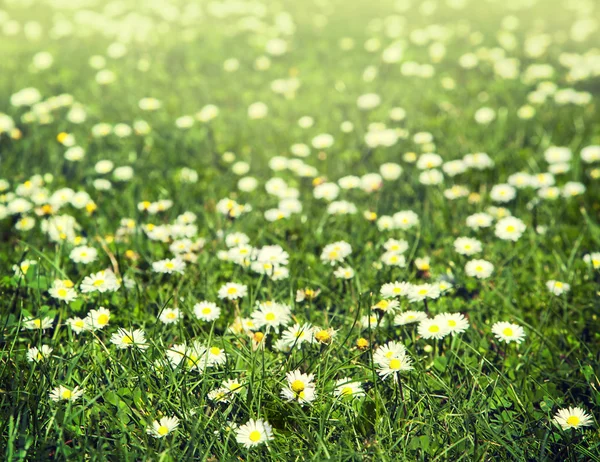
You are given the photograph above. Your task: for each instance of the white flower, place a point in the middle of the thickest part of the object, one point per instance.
(36, 355)
(253, 433)
(409, 317)
(510, 228)
(507, 332)
(163, 427)
(83, 254)
(62, 291)
(592, 259)
(300, 387)
(207, 311)
(557, 287)
(298, 335)
(467, 246)
(97, 319)
(503, 193)
(271, 314)
(572, 417)
(129, 338)
(406, 219)
(169, 266)
(344, 273)
(62, 393)
(233, 291)
(480, 269)
(433, 328)
(102, 281)
(346, 388)
(170, 315)
(455, 322)
(336, 252)
(422, 291)
(395, 289)
(479, 220)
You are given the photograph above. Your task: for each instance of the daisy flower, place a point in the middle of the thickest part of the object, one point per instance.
(102, 281)
(409, 317)
(386, 305)
(557, 287)
(169, 266)
(22, 268)
(456, 323)
(396, 246)
(344, 273)
(592, 259)
(467, 246)
(36, 355)
(420, 292)
(62, 393)
(394, 365)
(78, 325)
(233, 291)
(298, 334)
(507, 332)
(60, 291)
(129, 338)
(215, 356)
(170, 315)
(98, 319)
(38, 323)
(83, 254)
(510, 229)
(389, 350)
(336, 252)
(207, 311)
(395, 289)
(163, 427)
(300, 387)
(481, 269)
(253, 433)
(345, 388)
(433, 329)
(272, 315)
(572, 417)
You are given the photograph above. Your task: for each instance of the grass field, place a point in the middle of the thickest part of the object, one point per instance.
(322, 230)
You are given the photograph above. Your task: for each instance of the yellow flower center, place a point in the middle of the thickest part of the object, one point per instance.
(79, 323)
(510, 228)
(452, 323)
(162, 430)
(508, 332)
(62, 292)
(102, 319)
(558, 285)
(323, 335)
(127, 340)
(433, 329)
(297, 386)
(254, 436)
(37, 323)
(479, 268)
(573, 420)
(98, 282)
(66, 394)
(346, 391)
(395, 364)
(232, 290)
(171, 315)
(39, 356)
(169, 265)
(215, 351)
(270, 317)
(206, 310)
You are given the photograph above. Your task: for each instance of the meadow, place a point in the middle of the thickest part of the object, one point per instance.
(257, 230)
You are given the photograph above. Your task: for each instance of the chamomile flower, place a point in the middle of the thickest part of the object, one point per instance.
(61, 291)
(170, 315)
(510, 229)
(169, 266)
(300, 387)
(272, 315)
(395, 289)
(336, 252)
(481, 269)
(83, 254)
(38, 323)
(508, 332)
(592, 259)
(557, 287)
(36, 355)
(232, 291)
(421, 292)
(347, 389)
(572, 417)
(456, 323)
(98, 319)
(467, 246)
(409, 317)
(433, 328)
(394, 365)
(297, 335)
(163, 427)
(207, 311)
(102, 281)
(254, 433)
(78, 325)
(124, 339)
(62, 393)
(344, 273)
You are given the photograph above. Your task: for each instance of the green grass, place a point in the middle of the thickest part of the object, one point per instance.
(469, 397)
